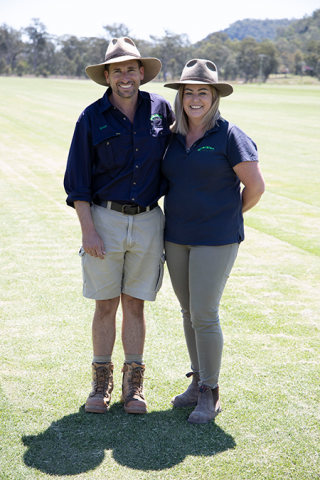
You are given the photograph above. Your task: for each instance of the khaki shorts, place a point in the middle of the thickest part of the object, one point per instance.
(134, 261)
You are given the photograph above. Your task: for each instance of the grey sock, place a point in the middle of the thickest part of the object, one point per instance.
(101, 358)
(133, 358)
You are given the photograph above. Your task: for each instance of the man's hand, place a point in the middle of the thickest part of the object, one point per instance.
(91, 240)
(93, 244)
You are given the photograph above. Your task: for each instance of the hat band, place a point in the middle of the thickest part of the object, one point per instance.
(197, 79)
(122, 54)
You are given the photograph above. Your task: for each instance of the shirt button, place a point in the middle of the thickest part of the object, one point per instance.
(134, 183)
(137, 149)
(107, 143)
(124, 118)
(135, 133)
(133, 198)
(137, 166)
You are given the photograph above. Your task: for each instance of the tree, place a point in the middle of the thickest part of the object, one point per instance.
(298, 62)
(171, 47)
(11, 46)
(313, 57)
(144, 47)
(215, 47)
(117, 30)
(71, 46)
(231, 67)
(96, 50)
(286, 50)
(3, 66)
(37, 35)
(270, 61)
(248, 59)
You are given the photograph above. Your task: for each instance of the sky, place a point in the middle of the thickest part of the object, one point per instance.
(197, 19)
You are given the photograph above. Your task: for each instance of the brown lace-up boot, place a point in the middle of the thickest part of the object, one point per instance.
(190, 397)
(132, 388)
(208, 405)
(102, 386)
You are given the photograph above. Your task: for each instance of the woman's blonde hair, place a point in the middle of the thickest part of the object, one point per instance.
(181, 124)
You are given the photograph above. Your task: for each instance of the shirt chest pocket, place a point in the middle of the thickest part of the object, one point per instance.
(110, 151)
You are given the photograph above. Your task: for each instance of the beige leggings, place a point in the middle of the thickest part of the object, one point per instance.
(199, 274)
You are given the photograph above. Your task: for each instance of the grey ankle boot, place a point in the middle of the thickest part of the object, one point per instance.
(208, 405)
(190, 397)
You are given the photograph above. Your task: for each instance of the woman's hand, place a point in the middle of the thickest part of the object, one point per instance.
(250, 175)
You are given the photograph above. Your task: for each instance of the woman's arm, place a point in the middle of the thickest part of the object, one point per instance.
(250, 175)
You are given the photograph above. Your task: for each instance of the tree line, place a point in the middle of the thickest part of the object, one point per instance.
(295, 49)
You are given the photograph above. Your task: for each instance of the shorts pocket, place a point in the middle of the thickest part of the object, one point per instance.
(161, 272)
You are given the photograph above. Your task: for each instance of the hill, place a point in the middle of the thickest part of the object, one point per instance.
(258, 29)
(301, 32)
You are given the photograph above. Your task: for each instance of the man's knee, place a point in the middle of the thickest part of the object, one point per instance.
(107, 307)
(132, 305)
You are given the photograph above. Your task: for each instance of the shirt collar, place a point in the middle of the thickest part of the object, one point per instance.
(105, 103)
(182, 138)
(214, 129)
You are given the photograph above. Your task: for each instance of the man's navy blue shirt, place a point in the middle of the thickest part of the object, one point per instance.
(111, 158)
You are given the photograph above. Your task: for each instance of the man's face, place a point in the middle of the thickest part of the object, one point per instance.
(124, 78)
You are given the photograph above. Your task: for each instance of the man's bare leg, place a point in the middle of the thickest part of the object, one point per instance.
(103, 338)
(133, 336)
(104, 326)
(133, 325)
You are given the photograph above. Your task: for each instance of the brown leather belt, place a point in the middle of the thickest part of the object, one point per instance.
(125, 209)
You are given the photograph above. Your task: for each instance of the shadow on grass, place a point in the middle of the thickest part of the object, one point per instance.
(158, 440)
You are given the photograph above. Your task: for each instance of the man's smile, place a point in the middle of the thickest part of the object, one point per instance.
(125, 86)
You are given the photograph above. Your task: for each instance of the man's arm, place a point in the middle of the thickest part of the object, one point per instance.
(91, 240)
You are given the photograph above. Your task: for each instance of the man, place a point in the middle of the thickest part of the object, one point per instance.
(113, 180)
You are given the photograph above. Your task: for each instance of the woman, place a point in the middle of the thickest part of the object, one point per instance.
(207, 159)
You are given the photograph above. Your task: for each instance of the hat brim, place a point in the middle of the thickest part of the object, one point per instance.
(152, 67)
(225, 89)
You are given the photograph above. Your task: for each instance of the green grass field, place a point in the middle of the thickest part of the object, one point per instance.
(270, 378)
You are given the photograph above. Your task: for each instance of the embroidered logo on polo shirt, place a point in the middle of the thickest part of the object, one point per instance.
(205, 148)
(104, 126)
(156, 115)
(155, 122)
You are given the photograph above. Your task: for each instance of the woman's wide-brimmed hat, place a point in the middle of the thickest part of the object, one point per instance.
(121, 50)
(198, 72)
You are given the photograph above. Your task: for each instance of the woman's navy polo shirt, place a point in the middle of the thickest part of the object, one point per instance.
(204, 205)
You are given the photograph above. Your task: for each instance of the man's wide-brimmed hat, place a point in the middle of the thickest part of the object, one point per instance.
(199, 71)
(121, 50)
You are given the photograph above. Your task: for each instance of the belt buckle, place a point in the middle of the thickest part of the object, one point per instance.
(123, 209)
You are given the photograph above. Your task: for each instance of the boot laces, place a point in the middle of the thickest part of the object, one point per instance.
(136, 382)
(103, 377)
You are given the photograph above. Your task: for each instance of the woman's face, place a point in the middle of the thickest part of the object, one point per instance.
(197, 101)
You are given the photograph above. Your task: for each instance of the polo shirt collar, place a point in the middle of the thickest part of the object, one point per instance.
(182, 138)
(214, 129)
